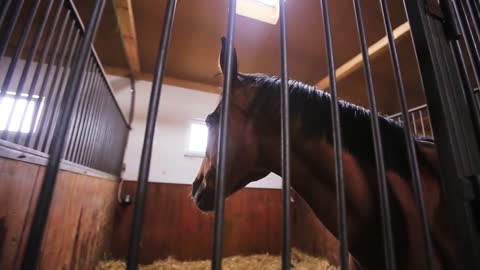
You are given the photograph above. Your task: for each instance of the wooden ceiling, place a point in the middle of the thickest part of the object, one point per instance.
(198, 26)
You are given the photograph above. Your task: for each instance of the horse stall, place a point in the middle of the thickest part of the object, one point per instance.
(239, 134)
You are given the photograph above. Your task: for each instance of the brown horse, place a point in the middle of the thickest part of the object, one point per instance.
(254, 151)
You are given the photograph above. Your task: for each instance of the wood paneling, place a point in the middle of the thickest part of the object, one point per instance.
(173, 226)
(80, 223)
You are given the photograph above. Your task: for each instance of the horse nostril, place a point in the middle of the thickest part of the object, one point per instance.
(196, 185)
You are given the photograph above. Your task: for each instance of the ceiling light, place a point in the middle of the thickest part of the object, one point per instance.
(261, 10)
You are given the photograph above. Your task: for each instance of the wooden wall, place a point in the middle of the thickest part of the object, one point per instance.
(79, 227)
(173, 226)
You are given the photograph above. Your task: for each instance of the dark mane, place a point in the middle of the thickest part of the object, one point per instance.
(312, 107)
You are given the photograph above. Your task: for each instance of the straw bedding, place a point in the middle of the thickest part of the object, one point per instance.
(300, 261)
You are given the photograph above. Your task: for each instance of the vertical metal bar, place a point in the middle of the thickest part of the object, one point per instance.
(89, 120)
(132, 101)
(46, 192)
(36, 75)
(3, 13)
(389, 250)
(10, 27)
(26, 68)
(469, 13)
(85, 111)
(53, 96)
(421, 123)
(285, 126)
(337, 140)
(219, 204)
(467, 32)
(137, 223)
(476, 12)
(16, 56)
(46, 76)
(414, 123)
(88, 76)
(98, 119)
(409, 141)
(57, 108)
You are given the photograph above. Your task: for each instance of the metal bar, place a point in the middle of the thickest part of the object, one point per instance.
(13, 65)
(409, 141)
(476, 6)
(136, 232)
(88, 121)
(99, 110)
(85, 112)
(469, 12)
(36, 75)
(421, 123)
(3, 14)
(377, 143)
(57, 108)
(337, 140)
(10, 27)
(46, 76)
(414, 123)
(81, 103)
(473, 50)
(45, 195)
(285, 137)
(398, 115)
(26, 68)
(53, 96)
(132, 101)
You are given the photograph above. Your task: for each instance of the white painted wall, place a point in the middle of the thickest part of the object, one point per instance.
(177, 107)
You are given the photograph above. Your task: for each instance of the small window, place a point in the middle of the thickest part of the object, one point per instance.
(262, 10)
(197, 139)
(20, 111)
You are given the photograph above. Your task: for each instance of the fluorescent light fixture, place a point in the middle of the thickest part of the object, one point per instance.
(261, 10)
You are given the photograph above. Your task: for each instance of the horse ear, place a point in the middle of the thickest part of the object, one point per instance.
(223, 60)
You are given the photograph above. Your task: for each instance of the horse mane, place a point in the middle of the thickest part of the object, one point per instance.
(311, 106)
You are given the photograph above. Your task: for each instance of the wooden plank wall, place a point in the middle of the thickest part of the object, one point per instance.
(81, 218)
(173, 226)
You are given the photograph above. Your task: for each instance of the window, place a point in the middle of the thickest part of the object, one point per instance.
(261, 10)
(197, 139)
(18, 107)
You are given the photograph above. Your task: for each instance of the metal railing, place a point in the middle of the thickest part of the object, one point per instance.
(37, 62)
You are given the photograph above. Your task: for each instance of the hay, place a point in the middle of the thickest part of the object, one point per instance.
(300, 261)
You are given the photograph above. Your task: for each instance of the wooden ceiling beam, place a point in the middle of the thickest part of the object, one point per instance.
(126, 24)
(356, 62)
(166, 80)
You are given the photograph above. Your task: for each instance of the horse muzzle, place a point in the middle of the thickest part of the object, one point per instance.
(202, 195)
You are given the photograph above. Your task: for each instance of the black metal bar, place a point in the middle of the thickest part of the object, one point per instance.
(3, 14)
(83, 110)
(56, 150)
(476, 12)
(285, 135)
(13, 65)
(26, 68)
(72, 138)
(136, 232)
(219, 204)
(98, 119)
(132, 101)
(337, 140)
(377, 143)
(469, 12)
(409, 141)
(36, 74)
(46, 76)
(88, 122)
(56, 108)
(10, 27)
(467, 32)
(421, 123)
(454, 134)
(53, 96)
(414, 123)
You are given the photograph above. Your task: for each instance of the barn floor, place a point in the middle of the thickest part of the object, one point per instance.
(300, 261)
